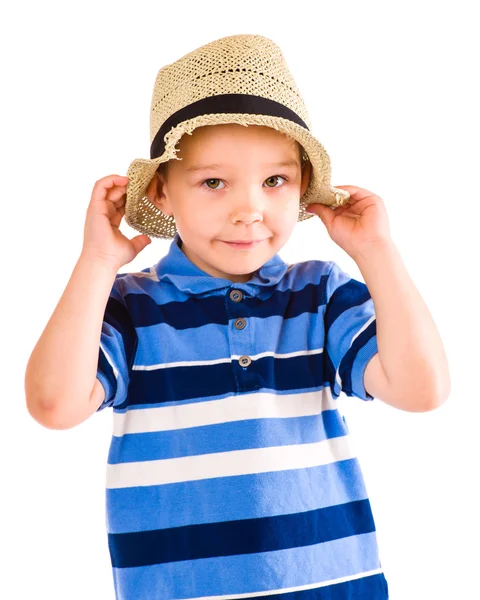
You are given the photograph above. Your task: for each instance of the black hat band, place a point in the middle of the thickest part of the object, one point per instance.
(223, 103)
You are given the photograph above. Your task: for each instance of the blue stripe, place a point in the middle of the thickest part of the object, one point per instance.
(225, 437)
(244, 536)
(271, 332)
(340, 334)
(260, 572)
(346, 366)
(233, 497)
(359, 365)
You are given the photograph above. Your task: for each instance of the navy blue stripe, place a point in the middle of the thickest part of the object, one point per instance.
(182, 383)
(246, 536)
(350, 294)
(223, 103)
(117, 315)
(372, 587)
(196, 312)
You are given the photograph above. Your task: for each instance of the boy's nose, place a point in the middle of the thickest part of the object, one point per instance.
(248, 208)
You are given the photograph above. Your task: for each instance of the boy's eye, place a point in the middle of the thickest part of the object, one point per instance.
(209, 181)
(273, 177)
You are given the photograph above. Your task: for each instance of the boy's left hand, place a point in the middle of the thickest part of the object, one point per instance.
(357, 225)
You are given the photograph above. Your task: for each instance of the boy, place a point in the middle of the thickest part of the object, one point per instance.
(230, 473)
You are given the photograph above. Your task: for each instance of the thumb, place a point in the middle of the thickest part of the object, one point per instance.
(140, 242)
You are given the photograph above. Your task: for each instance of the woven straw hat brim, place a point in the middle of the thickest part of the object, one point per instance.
(143, 216)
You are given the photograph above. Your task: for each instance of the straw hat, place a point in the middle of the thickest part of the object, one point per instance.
(240, 79)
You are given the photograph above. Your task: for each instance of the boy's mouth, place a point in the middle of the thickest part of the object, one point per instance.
(242, 243)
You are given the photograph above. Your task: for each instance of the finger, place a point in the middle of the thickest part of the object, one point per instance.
(104, 185)
(117, 217)
(326, 213)
(111, 209)
(110, 181)
(339, 210)
(139, 242)
(356, 193)
(117, 195)
(349, 210)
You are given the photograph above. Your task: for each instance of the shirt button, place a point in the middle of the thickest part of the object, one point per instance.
(236, 295)
(240, 324)
(245, 361)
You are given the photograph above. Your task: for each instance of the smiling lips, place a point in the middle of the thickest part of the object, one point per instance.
(243, 243)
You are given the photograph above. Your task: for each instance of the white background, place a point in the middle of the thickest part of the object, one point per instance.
(392, 94)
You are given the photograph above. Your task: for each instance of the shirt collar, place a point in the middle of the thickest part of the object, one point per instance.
(177, 268)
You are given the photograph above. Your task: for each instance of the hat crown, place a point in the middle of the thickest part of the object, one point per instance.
(238, 64)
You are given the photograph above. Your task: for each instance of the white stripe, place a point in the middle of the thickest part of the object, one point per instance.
(257, 405)
(372, 318)
(338, 378)
(227, 464)
(284, 355)
(228, 359)
(110, 361)
(311, 586)
(183, 363)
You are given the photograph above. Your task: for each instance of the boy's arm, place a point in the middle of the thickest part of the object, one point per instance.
(60, 380)
(410, 370)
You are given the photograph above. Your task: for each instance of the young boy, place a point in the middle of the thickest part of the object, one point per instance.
(230, 472)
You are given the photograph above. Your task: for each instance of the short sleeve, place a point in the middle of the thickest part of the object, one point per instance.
(350, 334)
(118, 342)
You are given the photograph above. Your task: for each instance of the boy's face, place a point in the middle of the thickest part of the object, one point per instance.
(245, 197)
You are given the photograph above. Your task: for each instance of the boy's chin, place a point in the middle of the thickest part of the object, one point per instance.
(240, 267)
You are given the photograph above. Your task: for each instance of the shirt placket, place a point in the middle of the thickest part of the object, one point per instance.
(241, 339)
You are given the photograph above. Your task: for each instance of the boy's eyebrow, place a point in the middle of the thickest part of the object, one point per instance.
(213, 167)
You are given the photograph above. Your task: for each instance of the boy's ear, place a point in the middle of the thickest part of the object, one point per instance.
(156, 194)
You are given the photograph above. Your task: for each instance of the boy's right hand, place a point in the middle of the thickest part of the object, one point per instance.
(102, 238)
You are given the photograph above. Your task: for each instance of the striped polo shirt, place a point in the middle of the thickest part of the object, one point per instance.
(231, 472)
